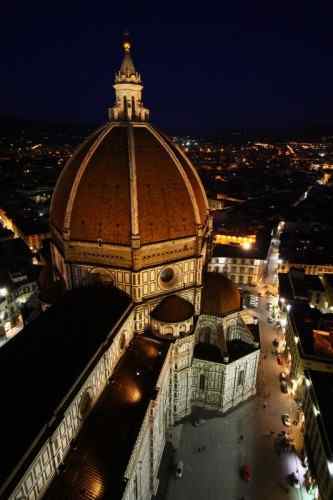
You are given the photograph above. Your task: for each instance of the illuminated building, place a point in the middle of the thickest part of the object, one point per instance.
(309, 348)
(18, 285)
(32, 234)
(297, 286)
(141, 334)
(318, 434)
(243, 259)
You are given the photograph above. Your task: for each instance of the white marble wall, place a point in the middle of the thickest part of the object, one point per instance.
(55, 446)
(143, 284)
(143, 467)
(224, 386)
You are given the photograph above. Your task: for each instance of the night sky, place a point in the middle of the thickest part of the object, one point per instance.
(243, 64)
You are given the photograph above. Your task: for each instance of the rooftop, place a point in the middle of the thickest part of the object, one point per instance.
(59, 345)
(219, 296)
(173, 309)
(296, 285)
(309, 248)
(13, 252)
(315, 331)
(237, 348)
(107, 439)
(208, 352)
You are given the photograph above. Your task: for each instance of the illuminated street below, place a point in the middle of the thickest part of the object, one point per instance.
(214, 472)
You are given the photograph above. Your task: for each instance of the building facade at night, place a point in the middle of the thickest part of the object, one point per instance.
(130, 225)
(309, 351)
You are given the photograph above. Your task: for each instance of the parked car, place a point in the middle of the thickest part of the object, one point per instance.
(286, 420)
(245, 472)
(199, 421)
(284, 387)
(179, 469)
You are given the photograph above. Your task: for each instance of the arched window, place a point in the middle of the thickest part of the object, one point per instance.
(205, 334)
(202, 382)
(122, 342)
(85, 403)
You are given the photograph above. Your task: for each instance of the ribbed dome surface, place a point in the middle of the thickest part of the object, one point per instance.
(125, 171)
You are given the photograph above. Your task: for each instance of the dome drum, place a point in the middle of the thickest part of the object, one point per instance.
(174, 330)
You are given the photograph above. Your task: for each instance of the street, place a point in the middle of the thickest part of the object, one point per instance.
(214, 472)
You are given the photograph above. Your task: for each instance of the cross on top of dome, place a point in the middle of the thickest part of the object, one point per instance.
(128, 88)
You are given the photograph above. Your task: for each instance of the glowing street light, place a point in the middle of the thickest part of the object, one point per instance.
(3, 292)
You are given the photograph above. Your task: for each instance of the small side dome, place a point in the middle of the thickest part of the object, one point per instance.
(219, 296)
(173, 309)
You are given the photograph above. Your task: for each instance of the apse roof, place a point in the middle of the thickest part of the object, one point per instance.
(40, 365)
(105, 444)
(173, 309)
(219, 296)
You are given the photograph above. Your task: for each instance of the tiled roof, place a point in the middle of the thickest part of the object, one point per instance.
(96, 192)
(40, 364)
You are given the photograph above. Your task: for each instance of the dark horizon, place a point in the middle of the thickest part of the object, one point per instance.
(258, 68)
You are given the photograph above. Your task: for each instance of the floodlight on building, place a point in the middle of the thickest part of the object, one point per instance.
(330, 467)
(316, 411)
(288, 307)
(246, 245)
(282, 300)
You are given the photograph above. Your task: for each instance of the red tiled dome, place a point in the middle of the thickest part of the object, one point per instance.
(219, 296)
(126, 179)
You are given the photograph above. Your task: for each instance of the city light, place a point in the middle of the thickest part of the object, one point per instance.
(3, 292)
(246, 246)
(308, 382)
(316, 411)
(229, 239)
(288, 307)
(330, 467)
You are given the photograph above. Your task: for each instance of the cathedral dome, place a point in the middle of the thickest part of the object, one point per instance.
(128, 186)
(126, 180)
(173, 309)
(219, 296)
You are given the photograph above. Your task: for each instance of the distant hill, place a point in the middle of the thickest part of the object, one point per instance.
(73, 133)
(13, 127)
